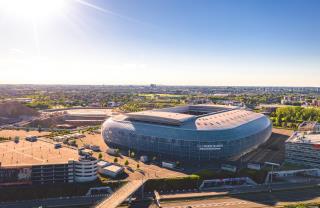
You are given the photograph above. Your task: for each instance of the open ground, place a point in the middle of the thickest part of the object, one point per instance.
(33, 153)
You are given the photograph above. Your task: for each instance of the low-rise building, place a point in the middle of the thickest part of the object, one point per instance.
(102, 164)
(112, 171)
(309, 126)
(303, 149)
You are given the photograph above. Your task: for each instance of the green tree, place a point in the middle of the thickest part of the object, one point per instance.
(126, 163)
(100, 156)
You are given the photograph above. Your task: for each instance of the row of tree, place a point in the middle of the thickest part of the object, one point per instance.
(291, 117)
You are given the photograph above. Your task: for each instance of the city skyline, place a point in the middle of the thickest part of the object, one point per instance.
(214, 43)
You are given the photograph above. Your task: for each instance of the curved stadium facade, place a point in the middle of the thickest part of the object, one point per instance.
(193, 132)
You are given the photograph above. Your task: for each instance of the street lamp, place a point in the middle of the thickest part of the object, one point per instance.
(271, 177)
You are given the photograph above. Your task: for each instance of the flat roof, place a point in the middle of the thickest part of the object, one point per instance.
(103, 163)
(303, 138)
(27, 153)
(113, 168)
(307, 125)
(90, 112)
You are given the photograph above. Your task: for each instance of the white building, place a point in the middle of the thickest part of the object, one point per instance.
(112, 171)
(85, 169)
(303, 149)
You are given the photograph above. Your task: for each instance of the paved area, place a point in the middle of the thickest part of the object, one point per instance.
(31, 153)
(149, 170)
(253, 200)
(250, 189)
(55, 202)
(21, 133)
(272, 151)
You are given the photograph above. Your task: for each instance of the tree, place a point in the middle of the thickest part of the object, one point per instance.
(100, 156)
(115, 160)
(126, 163)
(138, 165)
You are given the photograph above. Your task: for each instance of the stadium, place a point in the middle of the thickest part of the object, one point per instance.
(193, 132)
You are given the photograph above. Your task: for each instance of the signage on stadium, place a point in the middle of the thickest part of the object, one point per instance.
(207, 147)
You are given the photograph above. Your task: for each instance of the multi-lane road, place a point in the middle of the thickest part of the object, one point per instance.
(251, 200)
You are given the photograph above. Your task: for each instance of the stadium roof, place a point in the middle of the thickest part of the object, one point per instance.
(229, 119)
(160, 117)
(218, 117)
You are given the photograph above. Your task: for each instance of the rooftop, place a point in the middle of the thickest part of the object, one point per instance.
(212, 116)
(303, 138)
(89, 112)
(227, 119)
(178, 115)
(160, 117)
(308, 126)
(113, 168)
(34, 153)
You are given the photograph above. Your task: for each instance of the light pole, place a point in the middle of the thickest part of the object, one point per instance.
(271, 177)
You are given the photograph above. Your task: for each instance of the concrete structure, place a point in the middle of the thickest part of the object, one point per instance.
(85, 169)
(111, 171)
(303, 149)
(121, 194)
(194, 132)
(285, 174)
(309, 126)
(101, 164)
(41, 163)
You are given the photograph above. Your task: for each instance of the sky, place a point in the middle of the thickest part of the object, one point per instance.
(168, 42)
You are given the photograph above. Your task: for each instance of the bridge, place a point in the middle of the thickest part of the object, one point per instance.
(121, 194)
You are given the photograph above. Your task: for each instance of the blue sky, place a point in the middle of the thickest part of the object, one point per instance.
(175, 42)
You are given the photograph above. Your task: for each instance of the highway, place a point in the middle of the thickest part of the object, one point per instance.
(251, 200)
(55, 202)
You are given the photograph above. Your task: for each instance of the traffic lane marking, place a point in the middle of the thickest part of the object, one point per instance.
(216, 204)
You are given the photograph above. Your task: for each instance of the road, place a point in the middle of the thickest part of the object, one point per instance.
(253, 200)
(55, 202)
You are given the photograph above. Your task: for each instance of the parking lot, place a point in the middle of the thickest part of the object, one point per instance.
(32, 153)
(21, 133)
